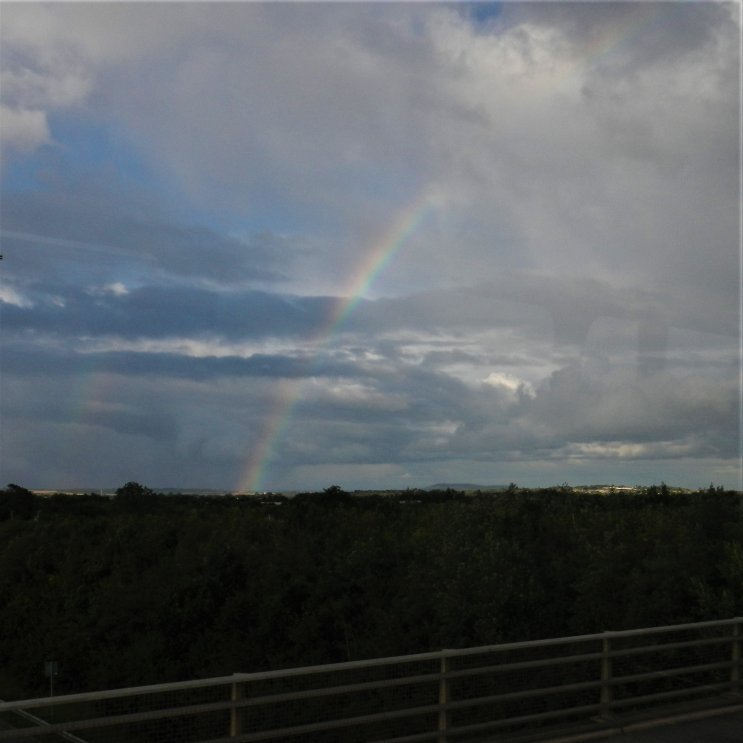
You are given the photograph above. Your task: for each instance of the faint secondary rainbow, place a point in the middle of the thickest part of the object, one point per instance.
(289, 391)
(640, 19)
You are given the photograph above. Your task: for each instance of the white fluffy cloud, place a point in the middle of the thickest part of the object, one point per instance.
(23, 129)
(547, 129)
(580, 165)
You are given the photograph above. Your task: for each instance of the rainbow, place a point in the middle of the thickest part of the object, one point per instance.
(642, 19)
(289, 391)
(639, 20)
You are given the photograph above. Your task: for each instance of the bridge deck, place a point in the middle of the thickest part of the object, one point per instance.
(711, 726)
(727, 728)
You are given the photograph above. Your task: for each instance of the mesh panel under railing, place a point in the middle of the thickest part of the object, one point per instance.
(358, 703)
(686, 663)
(183, 714)
(471, 694)
(523, 687)
(190, 715)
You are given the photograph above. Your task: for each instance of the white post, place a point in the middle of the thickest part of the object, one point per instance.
(444, 699)
(735, 657)
(237, 692)
(607, 693)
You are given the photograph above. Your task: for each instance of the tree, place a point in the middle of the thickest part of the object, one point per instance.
(331, 496)
(133, 492)
(16, 503)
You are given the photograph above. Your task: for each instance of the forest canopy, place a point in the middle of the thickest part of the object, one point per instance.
(145, 587)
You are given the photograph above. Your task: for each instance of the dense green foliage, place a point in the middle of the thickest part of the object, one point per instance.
(145, 588)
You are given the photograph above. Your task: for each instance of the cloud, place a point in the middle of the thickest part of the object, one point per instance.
(23, 130)
(517, 124)
(116, 288)
(194, 191)
(639, 35)
(9, 295)
(115, 236)
(34, 80)
(157, 312)
(588, 412)
(510, 383)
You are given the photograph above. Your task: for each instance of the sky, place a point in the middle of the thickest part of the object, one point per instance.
(281, 246)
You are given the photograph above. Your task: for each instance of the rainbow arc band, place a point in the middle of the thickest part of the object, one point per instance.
(289, 391)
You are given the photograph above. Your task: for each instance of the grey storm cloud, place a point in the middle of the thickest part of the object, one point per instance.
(654, 32)
(76, 223)
(429, 238)
(598, 410)
(168, 366)
(156, 312)
(133, 422)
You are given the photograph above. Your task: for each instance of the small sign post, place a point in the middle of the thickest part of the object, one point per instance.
(51, 669)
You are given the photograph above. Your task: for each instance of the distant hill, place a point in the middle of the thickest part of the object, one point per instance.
(190, 491)
(464, 486)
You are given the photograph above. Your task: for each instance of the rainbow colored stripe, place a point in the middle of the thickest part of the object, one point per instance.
(640, 19)
(289, 391)
(643, 19)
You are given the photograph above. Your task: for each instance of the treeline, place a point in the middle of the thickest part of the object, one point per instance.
(146, 588)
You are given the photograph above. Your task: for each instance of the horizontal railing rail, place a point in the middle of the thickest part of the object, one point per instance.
(452, 694)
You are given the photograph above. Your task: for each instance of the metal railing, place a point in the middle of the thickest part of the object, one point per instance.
(484, 693)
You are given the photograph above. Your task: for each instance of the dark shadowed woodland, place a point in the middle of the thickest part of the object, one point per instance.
(144, 588)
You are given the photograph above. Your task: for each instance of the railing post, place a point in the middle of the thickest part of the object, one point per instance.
(607, 692)
(237, 692)
(735, 657)
(444, 698)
